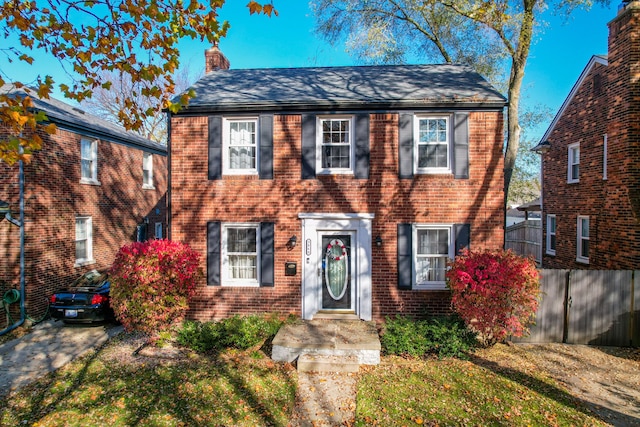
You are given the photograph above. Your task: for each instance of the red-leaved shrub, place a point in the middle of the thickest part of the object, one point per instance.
(496, 293)
(151, 283)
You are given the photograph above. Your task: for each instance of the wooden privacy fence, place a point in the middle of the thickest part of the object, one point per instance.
(525, 238)
(597, 307)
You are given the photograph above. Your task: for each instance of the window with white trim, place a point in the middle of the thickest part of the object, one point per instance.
(551, 234)
(88, 161)
(432, 144)
(84, 240)
(240, 254)
(334, 145)
(158, 230)
(583, 239)
(240, 146)
(573, 167)
(147, 170)
(433, 246)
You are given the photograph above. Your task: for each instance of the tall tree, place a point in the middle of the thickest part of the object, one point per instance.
(109, 104)
(492, 36)
(525, 181)
(138, 38)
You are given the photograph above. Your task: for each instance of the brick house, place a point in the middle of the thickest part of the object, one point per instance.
(590, 153)
(341, 189)
(92, 188)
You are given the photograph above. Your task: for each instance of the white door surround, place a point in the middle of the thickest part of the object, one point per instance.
(313, 225)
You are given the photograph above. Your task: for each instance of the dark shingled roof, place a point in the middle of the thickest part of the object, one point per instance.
(75, 120)
(388, 86)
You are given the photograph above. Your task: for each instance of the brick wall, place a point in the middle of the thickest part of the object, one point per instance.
(54, 197)
(613, 205)
(425, 198)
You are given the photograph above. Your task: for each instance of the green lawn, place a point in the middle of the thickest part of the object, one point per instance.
(453, 392)
(247, 389)
(104, 389)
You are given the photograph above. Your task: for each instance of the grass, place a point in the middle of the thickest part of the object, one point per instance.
(245, 388)
(453, 392)
(232, 389)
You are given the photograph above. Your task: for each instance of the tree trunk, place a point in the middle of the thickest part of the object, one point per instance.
(519, 61)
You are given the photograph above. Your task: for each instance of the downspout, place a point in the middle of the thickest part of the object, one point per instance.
(168, 214)
(23, 314)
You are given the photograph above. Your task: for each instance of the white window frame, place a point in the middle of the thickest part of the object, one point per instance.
(147, 165)
(550, 234)
(227, 280)
(417, 144)
(320, 145)
(158, 230)
(226, 146)
(572, 161)
(88, 224)
(92, 159)
(605, 155)
(580, 257)
(436, 284)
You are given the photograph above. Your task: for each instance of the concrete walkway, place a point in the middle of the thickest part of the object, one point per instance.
(48, 347)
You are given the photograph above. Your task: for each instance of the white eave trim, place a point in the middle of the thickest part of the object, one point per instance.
(595, 59)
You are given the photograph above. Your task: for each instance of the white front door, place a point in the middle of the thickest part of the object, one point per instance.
(336, 264)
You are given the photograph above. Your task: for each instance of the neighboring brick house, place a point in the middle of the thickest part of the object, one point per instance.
(341, 190)
(92, 188)
(591, 160)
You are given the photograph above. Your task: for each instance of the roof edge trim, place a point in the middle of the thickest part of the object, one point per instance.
(595, 59)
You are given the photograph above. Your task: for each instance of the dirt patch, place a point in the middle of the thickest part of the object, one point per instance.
(606, 379)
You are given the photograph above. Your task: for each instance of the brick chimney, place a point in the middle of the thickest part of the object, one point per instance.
(623, 95)
(215, 60)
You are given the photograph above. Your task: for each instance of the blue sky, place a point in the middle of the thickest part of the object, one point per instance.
(558, 56)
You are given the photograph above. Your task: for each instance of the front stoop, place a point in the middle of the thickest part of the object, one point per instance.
(328, 345)
(308, 362)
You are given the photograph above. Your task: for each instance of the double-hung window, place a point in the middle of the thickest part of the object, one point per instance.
(335, 145)
(573, 167)
(84, 240)
(240, 151)
(432, 144)
(147, 170)
(240, 254)
(583, 239)
(433, 247)
(551, 234)
(89, 161)
(158, 230)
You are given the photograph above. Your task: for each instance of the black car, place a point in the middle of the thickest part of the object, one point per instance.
(85, 301)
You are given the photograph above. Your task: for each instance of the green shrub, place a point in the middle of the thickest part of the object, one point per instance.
(199, 336)
(403, 336)
(440, 336)
(241, 332)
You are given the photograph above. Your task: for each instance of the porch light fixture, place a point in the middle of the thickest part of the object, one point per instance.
(5, 212)
(378, 241)
(293, 240)
(542, 148)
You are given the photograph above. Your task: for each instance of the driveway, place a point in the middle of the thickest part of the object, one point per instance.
(607, 379)
(48, 347)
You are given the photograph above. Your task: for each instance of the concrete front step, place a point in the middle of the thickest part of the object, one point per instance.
(339, 339)
(309, 362)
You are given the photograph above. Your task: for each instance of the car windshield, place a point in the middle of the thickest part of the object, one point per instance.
(91, 279)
